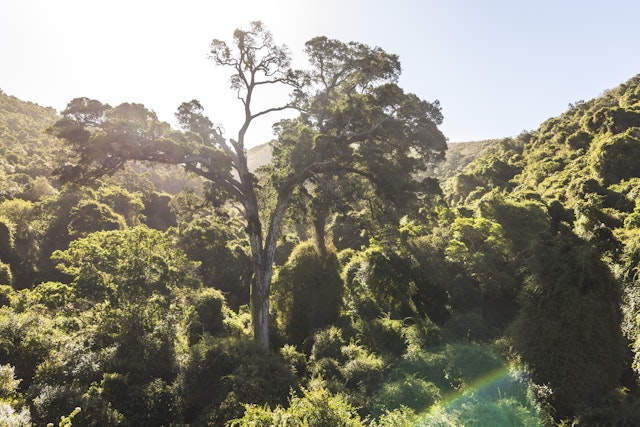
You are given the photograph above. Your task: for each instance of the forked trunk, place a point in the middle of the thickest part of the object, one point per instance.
(263, 266)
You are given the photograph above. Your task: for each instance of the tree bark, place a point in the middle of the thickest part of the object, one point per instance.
(319, 226)
(263, 255)
(260, 299)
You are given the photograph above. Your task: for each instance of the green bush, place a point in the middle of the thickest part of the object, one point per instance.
(6, 278)
(210, 311)
(296, 360)
(53, 295)
(379, 281)
(410, 391)
(90, 216)
(568, 327)
(307, 292)
(504, 412)
(317, 407)
(327, 343)
(614, 157)
(26, 339)
(223, 374)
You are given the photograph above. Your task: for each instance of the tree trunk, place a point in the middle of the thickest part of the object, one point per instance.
(262, 269)
(319, 226)
(260, 299)
(263, 264)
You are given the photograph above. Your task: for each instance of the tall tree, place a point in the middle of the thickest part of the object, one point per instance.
(354, 119)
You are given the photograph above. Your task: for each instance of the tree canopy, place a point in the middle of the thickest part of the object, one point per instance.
(354, 120)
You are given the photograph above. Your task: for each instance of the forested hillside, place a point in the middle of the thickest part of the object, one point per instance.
(505, 295)
(458, 155)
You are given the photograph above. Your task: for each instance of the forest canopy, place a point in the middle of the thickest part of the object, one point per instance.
(152, 276)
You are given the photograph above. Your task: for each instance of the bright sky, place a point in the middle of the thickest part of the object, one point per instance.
(497, 67)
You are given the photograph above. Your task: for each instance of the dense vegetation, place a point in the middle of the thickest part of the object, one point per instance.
(508, 294)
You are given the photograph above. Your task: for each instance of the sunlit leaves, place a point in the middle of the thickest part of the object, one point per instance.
(125, 265)
(614, 157)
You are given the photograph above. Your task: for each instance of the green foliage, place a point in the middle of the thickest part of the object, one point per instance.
(351, 369)
(307, 292)
(125, 266)
(90, 216)
(479, 245)
(503, 412)
(612, 120)
(209, 314)
(614, 157)
(296, 360)
(6, 277)
(362, 373)
(460, 155)
(12, 413)
(8, 382)
(317, 407)
(383, 335)
(378, 281)
(401, 417)
(25, 151)
(567, 329)
(411, 391)
(11, 418)
(65, 421)
(52, 295)
(243, 373)
(128, 205)
(327, 343)
(223, 260)
(457, 384)
(26, 340)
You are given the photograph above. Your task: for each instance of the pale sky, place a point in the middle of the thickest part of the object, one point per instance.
(497, 67)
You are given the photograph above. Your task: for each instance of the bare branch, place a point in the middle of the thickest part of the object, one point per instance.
(271, 110)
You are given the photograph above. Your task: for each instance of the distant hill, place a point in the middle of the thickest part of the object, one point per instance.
(458, 155)
(586, 160)
(26, 151)
(259, 155)
(23, 143)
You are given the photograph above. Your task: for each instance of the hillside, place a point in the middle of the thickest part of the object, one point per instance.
(259, 155)
(23, 142)
(458, 155)
(512, 298)
(590, 151)
(26, 152)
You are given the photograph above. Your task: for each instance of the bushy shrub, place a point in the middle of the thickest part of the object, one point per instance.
(382, 335)
(307, 292)
(568, 327)
(504, 412)
(378, 281)
(242, 374)
(296, 360)
(614, 157)
(6, 278)
(10, 417)
(317, 407)
(410, 391)
(90, 216)
(328, 343)
(53, 295)
(25, 341)
(210, 311)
